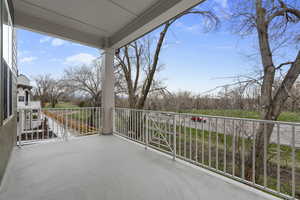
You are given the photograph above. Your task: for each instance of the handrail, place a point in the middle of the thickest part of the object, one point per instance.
(38, 125)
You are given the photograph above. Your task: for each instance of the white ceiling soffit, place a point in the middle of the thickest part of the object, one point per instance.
(97, 23)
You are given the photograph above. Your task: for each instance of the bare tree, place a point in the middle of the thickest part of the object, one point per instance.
(85, 80)
(135, 61)
(56, 91)
(274, 22)
(49, 89)
(139, 60)
(40, 91)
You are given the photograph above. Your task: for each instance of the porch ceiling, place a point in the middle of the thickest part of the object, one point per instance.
(97, 23)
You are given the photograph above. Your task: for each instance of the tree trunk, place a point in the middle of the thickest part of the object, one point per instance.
(264, 131)
(149, 79)
(53, 103)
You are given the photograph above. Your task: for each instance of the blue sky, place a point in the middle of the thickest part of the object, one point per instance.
(193, 60)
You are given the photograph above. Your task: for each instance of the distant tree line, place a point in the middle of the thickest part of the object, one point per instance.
(226, 97)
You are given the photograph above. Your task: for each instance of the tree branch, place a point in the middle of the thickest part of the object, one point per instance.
(283, 64)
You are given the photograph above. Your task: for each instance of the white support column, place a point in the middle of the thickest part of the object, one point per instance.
(108, 96)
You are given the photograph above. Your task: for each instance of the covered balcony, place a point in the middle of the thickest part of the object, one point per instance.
(117, 153)
(150, 155)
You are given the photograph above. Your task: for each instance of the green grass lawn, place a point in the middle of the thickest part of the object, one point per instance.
(62, 105)
(285, 116)
(82, 115)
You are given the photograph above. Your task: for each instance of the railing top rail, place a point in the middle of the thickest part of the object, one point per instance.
(75, 108)
(219, 117)
(70, 108)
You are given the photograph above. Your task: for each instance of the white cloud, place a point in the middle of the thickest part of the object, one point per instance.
(28, 59)
(57, 42)
(54, 42)
(81, 58)
(45, 39)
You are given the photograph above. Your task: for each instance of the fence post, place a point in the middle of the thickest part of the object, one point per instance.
(147, 131)
(174, 138)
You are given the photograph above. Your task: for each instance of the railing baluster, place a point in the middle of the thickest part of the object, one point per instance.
(26, 124)
(169, 129)
(293, 163)
(233, 148)
(209, 142)
(67, 125)
(119, 122)
(278, 157)
(147, 130)
(174, 138)
(179, 136)
(129, 124)
(184, 130)
(190, 138)
(81, 121)
(124, 122)
(48, 126)
(43, 124)
(95, 119)
(217, 145)
(30, 125)
(53, 125)
(225, 146)
(100, 119)
(253, 152)
(137, 126)
(85, 121)
(196, 139)
(115, 122)
(265, 154)
(140, 126)
(243, 150)
(202, 145)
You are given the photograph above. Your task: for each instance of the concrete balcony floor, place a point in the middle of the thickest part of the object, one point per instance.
(110, 168)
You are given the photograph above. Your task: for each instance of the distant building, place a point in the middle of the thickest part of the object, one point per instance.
(29, 112)
(24, 94)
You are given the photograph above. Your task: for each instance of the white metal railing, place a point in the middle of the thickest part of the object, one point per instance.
(235, 147)
(36, 125)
